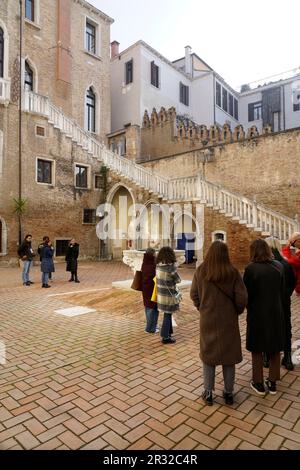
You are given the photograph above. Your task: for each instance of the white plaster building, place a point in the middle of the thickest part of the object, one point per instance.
(142, 79)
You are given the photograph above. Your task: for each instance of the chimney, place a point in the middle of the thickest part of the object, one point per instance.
(188, 60)
(114, 49)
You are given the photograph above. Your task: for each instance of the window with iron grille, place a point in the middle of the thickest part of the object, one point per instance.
(90, 37)
(61, 247)
(224, 99)
(1, 52)
(154, 74)
(218, 94)
(184, 94)
(99, 182)
(89, 216)
(40, 131)
(81, 176)
(29, 9)
(44, 171)
(129, 72)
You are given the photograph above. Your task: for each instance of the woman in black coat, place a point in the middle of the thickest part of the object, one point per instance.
(71, 259)
(264, 280)
(148, 273)
(290, 284)
(46, 257)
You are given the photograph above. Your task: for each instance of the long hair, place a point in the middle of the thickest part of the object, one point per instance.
(260, 252)
(217, 266)
(166, 255)
(275, 246)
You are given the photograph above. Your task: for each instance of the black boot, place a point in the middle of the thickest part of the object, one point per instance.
(287, 361)
(76, 279)
(72, 278)
(266, 361)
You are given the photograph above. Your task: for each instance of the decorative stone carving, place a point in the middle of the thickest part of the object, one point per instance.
(134, 258)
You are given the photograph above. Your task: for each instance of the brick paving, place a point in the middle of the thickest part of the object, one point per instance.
(97, 381)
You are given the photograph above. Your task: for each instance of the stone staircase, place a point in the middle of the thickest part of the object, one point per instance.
(245, 211)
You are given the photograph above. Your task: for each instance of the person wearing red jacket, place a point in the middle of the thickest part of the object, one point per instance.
(293, 257)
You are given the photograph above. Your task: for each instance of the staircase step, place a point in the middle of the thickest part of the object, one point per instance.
(243, 222)
(266, 234)
(228, 214)
(250, 225)
(235, 217)
(257, 229)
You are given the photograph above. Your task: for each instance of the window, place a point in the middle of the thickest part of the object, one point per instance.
(296, 106)
(40, 131)
(254, 111)
(1, 53)
(154, 75)
(90, 37)
(29, 9)
(89, 216)
(184, 94)
(129, 72)
(44, 171)
(230, 104)
(236, 109)
(28, 77)
(224, 99)
(218, 235)
(81, 176)
(98, 182)
(218, 94)
(61, 247)
(91, 110)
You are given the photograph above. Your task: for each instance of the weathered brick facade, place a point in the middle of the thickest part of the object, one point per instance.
(63, 70)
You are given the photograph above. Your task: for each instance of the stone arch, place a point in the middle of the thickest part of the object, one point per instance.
(3, 237)
(35, 73)
(120, 220)
(92, 87)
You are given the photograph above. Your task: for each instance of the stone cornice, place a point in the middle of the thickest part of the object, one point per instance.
(94, 10)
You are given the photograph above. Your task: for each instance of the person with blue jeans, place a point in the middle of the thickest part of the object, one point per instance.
(148, 273)
(26, 254)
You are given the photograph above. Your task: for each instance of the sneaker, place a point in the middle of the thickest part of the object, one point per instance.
(258, 388)
(157, 330)
(228, 398)
(207, 397)
(168, 340)
(271, 387)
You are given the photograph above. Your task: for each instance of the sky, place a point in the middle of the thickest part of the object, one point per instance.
(243, 41)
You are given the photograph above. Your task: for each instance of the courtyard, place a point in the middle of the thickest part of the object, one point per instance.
(96, 380)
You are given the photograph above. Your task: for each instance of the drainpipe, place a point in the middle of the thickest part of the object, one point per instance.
(283, 106)
(214, 94)
(20, 116)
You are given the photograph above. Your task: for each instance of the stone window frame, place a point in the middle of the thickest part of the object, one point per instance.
(88, 176)
(6, 50)
(34, 73)
(97, 26)
(95, 176)
(221, 232)
(36, 131)
(97, 110)
(53, 171)
(36, 12)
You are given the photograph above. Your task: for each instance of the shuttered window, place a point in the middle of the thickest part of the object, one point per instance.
(129, 72)
(154, 74)
(184, 94)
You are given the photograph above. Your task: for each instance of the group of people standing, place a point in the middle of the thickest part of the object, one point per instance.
(46, 253)
(221, 294)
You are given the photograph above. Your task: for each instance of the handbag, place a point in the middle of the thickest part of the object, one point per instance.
(154, 293)
(137, 281)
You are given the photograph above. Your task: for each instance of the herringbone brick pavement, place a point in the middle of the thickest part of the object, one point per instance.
(98, 381)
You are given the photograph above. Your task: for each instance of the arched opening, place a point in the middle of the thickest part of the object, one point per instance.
(121, 201)
(219, 235)
(90, 105)
(28, 77)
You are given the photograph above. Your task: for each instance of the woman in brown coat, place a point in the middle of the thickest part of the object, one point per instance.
(220, 295)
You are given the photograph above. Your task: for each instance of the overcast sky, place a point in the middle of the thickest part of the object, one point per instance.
(242, 40)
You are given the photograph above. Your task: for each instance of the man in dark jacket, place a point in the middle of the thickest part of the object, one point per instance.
(26, 254)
